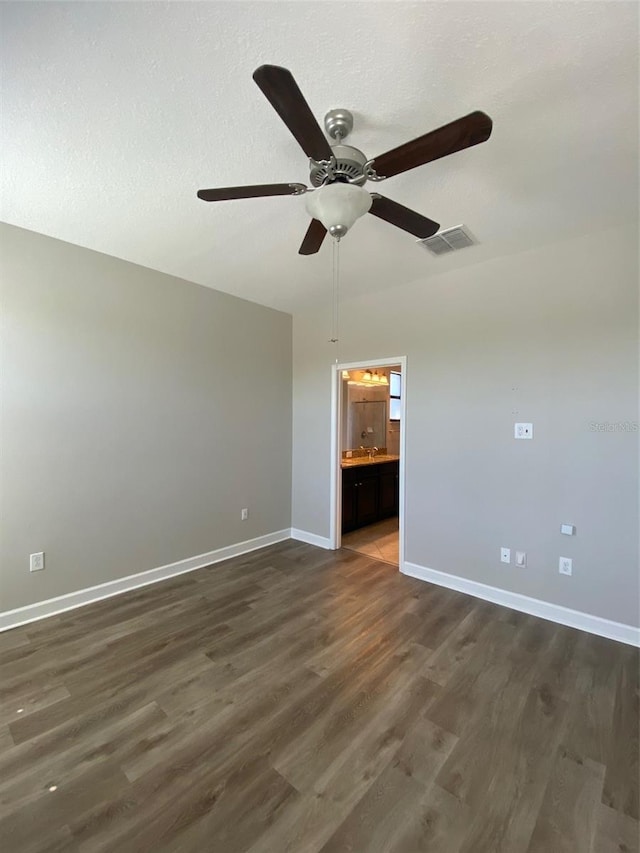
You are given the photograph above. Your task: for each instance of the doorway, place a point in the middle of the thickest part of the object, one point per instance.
(368, 457)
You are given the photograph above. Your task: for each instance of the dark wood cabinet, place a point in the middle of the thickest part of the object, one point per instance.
(369, 493)
(389, 493)
(348, 502)
(367, 499)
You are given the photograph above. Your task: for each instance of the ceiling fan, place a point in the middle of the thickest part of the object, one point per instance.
(338, 171)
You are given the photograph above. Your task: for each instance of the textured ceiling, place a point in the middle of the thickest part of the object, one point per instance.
(114, 114)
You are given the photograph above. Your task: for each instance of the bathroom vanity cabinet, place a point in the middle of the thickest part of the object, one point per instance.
(370, 492)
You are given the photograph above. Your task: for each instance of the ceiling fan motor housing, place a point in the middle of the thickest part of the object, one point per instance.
(349, 167)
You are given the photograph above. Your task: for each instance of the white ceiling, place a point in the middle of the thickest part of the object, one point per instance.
(114, 114)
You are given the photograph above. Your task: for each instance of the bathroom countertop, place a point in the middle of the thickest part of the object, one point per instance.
(358, 461)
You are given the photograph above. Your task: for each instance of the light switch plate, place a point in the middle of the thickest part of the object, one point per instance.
(523, 431)
(521, 559)
(568, 529)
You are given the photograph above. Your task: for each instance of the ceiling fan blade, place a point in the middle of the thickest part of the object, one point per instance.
(402, 217)
(257, 191)
(455, 136)
(316, 232)
(282, 92)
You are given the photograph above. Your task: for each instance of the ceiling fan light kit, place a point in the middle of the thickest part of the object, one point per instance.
(339, 171)
(338, 206)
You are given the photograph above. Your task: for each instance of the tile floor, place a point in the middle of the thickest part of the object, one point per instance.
(379, 540)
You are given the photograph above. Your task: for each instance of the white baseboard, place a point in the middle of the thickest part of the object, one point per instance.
(553, 612)
(311, 538)
(52, 606)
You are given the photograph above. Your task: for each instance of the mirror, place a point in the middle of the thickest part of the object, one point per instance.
(367, 426)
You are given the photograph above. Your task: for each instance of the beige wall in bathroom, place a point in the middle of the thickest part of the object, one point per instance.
(355, 393)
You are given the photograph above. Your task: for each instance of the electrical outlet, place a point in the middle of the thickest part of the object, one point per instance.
(244, 514)
(505, 555)
(521, 559)
(36, 562)
(523, 430)
(565, 565)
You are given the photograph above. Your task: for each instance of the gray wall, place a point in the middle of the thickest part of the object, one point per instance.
(548, 336)
(140, 413)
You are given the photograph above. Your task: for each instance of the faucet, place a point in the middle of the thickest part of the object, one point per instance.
(371, 451)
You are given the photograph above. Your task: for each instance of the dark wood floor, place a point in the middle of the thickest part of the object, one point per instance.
(300, 700)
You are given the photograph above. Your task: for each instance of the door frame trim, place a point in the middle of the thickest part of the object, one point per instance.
(335, 499)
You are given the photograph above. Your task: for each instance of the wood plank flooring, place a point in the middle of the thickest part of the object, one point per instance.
(301, 700)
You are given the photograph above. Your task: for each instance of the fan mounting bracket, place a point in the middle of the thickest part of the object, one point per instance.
(338, 124)
(370, 172)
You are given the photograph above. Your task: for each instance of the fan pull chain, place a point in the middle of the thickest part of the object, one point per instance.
(336, 285)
